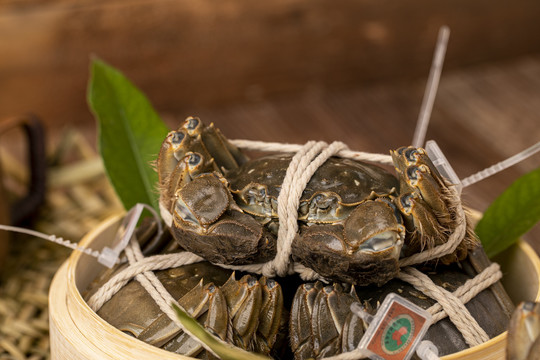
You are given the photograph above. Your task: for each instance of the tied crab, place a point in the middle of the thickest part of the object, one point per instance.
(355, 219)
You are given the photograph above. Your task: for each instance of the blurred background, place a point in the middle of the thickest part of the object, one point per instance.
(285, 70)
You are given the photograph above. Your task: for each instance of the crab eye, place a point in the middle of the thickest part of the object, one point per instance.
(256, 194)
(194, 159)
(413, 173)
(323, 202)
(412, 154)
(192, 123)
(177, 137)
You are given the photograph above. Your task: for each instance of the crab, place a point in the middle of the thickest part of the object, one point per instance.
(356, 219)
(283, 318)
(247, 312)
(524, 332)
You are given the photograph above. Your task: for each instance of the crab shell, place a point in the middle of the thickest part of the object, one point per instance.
(344, 232)
(332, 193)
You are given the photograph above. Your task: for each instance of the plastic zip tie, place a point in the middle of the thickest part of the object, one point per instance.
(357, 309)
(108, 256)
(427, 350)
(442, 164)
(492, 170)
(53, 238)
(431, 88)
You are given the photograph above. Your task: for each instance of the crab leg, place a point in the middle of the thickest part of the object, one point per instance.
(244, 299)
(270, 316)
(330, 310)
(352, 332)
(426, 204)
(205, 303)
(300, 322)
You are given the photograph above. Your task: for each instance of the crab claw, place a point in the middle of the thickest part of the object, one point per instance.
(361, 251)
(202, 201)
(427, 204)
(524, 332)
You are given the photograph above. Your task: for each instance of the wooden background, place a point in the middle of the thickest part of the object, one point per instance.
(290, 70)
(207, 52)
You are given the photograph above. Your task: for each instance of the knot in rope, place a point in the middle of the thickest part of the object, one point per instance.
(301, 168)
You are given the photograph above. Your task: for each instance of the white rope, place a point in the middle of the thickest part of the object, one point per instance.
(151, 263)
(301, 168)
(293, 148)
(157, 291)
(453, 306)
(470, 289)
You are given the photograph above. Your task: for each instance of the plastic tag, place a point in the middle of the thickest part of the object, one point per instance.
(396, 329)
(109, 256)
(441, 163)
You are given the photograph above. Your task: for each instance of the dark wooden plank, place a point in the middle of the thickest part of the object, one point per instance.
(205, 52)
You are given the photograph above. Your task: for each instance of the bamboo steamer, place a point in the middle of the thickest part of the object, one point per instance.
(76, 332)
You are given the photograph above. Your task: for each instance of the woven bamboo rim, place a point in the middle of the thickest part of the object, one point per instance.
(78, 333)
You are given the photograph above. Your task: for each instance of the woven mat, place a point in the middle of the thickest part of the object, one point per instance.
(78, 198)
(26, 277)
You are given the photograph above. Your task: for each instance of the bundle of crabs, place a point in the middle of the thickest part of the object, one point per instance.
(355, 228)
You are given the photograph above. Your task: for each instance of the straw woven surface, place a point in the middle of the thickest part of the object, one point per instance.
(78, 198)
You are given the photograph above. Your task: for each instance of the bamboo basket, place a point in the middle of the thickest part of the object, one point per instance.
(76, 332)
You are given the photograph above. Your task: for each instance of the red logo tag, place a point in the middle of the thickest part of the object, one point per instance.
(396, 329)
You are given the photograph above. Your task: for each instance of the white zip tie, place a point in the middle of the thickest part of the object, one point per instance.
(427, 350)
(108, 256)
(52, 238)
(431, 88)
(492, 170)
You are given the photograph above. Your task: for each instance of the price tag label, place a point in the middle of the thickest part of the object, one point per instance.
(396, 329)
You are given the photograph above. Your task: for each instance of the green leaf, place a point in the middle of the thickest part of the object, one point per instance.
(511, 215)
(130, 134)
(222, 349)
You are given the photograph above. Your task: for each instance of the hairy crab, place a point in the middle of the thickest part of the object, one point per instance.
(240, 309)
(264, 315)
(356, 219)
(356, 222)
